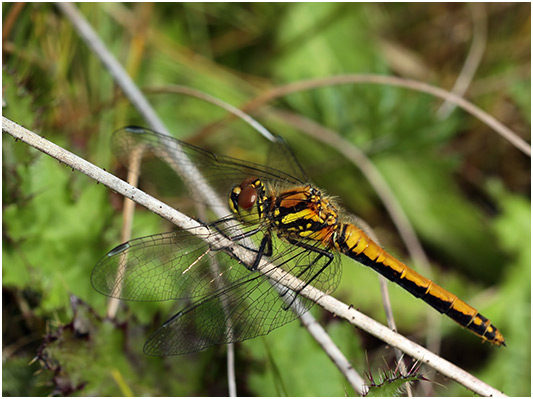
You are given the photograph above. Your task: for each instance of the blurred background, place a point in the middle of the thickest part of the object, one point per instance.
(465, 190)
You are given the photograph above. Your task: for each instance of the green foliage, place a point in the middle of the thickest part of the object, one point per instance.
(450, 226)
(313, 375)
(19, 378)
(83, 358)
(513, 231)
(465, 190)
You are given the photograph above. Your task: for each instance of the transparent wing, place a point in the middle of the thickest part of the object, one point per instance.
(179, 265)
(174, 265)
(245, 308)
(230, 303)
(281, 157)
(221, 172)
(236, 313)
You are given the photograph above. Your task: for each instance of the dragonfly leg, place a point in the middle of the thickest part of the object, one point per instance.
(321, 253)
(237, 237)
(265, 249)
(246, 234)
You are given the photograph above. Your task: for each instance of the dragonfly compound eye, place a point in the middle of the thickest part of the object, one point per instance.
(247, 197)
(247, 200)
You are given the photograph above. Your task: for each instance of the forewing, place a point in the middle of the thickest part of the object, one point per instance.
(282, 158)
(160, 267)
(220, 172)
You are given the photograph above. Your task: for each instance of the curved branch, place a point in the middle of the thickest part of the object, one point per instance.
(489, 120)
(327, 302)
(473, 59)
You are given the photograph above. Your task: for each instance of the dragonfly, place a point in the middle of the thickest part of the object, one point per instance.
(277, 215)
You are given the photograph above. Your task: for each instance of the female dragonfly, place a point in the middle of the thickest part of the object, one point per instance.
(280, 217)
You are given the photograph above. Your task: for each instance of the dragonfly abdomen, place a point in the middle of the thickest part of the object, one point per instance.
(354, 243)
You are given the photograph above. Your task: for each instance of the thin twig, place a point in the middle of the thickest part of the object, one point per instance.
(10, 19)
(473, 59)
(230, 361)
(214, 267)
(333, 351)
(489, 120)
(217, 241)
(116, 70)
(127, 223)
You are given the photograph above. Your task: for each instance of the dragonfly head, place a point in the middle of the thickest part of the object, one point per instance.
(247, 200)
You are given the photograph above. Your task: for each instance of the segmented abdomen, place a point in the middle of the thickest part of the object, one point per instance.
(354, 243)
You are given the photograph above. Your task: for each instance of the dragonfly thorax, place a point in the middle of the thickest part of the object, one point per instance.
(303, 212)
(249, 200)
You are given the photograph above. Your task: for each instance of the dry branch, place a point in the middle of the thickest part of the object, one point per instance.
(327, 302)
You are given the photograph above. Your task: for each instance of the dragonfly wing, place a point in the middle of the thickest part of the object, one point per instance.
(310, 265)
(219, 171)
(244, 308)
(281, 157)
(160, 267)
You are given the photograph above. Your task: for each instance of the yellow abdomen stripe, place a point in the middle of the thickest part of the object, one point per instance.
(354, 243)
